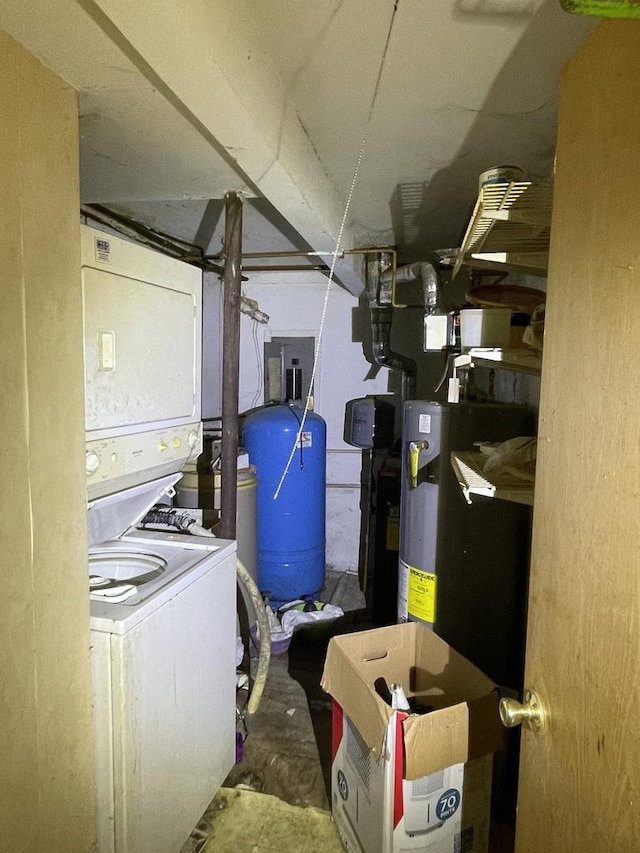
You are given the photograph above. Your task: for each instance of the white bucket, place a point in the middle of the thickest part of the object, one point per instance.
(485, 327)
(201, 489)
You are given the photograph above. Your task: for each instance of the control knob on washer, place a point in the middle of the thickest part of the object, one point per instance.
(91, 462)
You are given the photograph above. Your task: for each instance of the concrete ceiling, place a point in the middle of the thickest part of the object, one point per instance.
(181, 103)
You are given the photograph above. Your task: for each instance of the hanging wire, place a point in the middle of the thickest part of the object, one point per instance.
(259, 380)
(336, 252)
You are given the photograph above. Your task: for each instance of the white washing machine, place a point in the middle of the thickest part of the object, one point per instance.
(163, 604)
(163, 655)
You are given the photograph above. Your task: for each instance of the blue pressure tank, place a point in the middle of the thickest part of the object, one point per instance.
(290, 510)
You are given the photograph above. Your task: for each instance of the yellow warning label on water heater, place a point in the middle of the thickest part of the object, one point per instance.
(422, 595)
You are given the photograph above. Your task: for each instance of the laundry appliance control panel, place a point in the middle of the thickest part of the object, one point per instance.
(117, 463)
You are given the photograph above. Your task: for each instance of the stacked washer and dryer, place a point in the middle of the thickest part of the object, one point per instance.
(163, 603)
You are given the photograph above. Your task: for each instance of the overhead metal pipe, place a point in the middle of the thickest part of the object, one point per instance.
(166, 243)
(287, 268)
(279, 254)
(292, 254)
(232, 279)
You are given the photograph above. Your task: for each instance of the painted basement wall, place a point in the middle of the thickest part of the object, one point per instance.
(294, 303)
(46, 745)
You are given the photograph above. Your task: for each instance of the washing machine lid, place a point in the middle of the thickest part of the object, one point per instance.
(110, 516)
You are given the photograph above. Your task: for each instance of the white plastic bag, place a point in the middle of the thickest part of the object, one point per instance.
(291, 619)
(515, 456)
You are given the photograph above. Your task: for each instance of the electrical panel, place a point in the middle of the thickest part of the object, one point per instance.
(288, 366)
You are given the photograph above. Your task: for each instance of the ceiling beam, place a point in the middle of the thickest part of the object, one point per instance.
(208, 59)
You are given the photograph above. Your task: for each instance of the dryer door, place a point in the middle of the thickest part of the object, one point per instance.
(142, 338)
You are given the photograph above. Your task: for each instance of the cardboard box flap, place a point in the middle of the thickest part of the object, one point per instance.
(454, 735)
(434, 741)
(439, 669)
(353, 663)
(464, 724)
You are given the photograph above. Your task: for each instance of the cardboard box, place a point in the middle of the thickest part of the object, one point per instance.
(410, 782)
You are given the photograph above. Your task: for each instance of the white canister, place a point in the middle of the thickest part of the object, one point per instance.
(485, 327)
(500, 175)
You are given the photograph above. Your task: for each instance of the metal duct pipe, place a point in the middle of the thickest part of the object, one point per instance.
(424, 271)
(383, 354)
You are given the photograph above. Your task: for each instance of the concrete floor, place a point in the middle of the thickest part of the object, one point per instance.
(287, 749)
(278, 797)
(240, 820)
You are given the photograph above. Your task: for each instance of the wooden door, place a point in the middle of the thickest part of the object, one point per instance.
(579, 780)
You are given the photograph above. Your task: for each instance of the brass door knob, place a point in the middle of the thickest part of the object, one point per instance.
(530, 713)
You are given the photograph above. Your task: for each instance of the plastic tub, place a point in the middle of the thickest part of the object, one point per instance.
(485, 327)
(279, 644)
